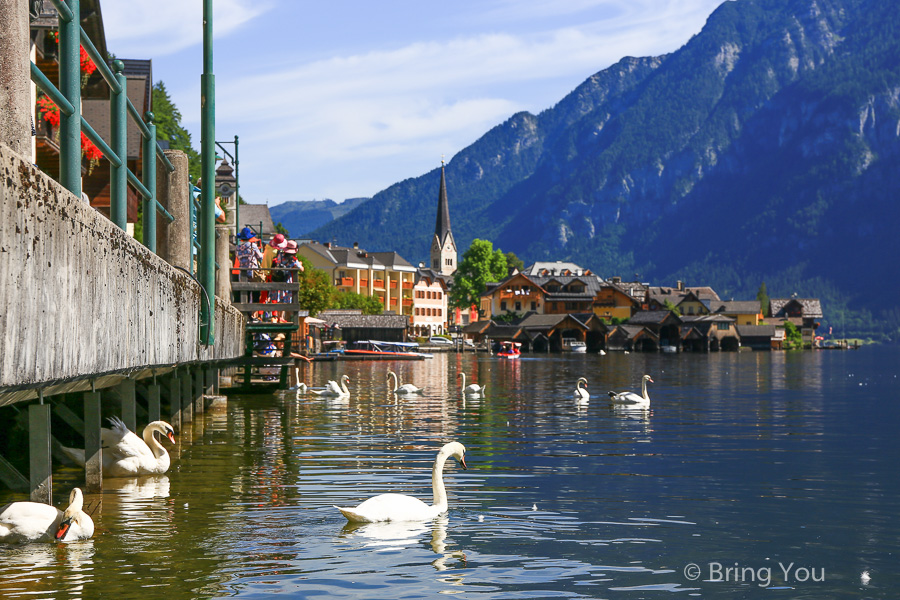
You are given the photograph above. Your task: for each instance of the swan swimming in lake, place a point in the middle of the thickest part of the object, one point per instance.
(127, 455)
(333, 389)
(32, 521)
(581, 393)
(406, 388)
(400, 507)
(632, 400)
(473, 389)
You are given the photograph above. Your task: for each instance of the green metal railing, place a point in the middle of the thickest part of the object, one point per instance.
(72, 124)
(68, 98)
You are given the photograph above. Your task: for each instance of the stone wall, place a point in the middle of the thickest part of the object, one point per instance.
(79, 298)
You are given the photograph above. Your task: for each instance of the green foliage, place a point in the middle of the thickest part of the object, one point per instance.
(279, 228)
(168, 127)
(513, 262)
(370, 305)
(763, 296)
(480, 265)
(672, 308)
(793, 340)
(316, 293)
(507, 317)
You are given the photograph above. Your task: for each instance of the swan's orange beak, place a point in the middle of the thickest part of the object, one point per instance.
(63, 528)
(171, 436)
(462, 461)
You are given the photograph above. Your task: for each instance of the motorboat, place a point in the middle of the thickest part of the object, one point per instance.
(509, 350)
(573, 345)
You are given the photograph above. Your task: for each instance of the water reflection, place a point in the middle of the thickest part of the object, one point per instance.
(779, 445)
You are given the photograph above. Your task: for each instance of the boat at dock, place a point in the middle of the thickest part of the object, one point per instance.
(375, 349)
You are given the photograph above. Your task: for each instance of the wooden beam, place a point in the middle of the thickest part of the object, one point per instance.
(40, 461)
(93, 454)
(11, 477)
(127, 398)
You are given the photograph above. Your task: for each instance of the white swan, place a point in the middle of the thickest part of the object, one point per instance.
(333, 389)
(581, 393)
(32, 521)
(399, 507)
(473, 389)
(406, 388)
(127, 455)
(631, 399)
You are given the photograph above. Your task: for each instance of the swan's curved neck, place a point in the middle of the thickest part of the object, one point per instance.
(644, 389)
(155, 447)
(463, 375)
(437, 482)
(344, 387)
(393, 376)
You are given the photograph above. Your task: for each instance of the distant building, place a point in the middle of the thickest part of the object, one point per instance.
(384, 275)
(443, 247)
(430, 303)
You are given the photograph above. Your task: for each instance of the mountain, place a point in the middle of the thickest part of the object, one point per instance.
(764, 150)
(302, 216)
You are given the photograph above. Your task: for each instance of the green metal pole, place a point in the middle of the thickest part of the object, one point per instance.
(237, 189)
(70, 86)
(208, 186)
(118, 176)
(149, 164)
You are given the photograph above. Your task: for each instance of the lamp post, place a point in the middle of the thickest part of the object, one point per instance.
(233, 182)
(207, 220)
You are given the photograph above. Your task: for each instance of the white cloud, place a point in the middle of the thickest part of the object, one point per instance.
(140, 28)
(352, 124)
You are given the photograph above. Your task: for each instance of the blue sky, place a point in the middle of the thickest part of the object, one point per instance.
(342, 99)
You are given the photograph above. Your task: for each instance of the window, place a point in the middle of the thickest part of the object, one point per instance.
(503, 305)
(534, 306)
(723, 326)
(518, 306)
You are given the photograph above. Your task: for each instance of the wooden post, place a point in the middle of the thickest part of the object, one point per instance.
(198, 390)
(173, 387)
(93, 454)
(154, 411)
(41, 472)
(187, 403)
(127, 398)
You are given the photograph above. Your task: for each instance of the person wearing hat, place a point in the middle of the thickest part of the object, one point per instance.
(278, 242)
(248, 253)
(287, 260)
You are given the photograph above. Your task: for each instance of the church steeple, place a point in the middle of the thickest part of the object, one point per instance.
(442, 224)
(443, 247)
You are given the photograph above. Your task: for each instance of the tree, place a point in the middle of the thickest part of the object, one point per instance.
(672, 308)
(316, 293)
(279, 228)
(513, 262)
(480, 264)
(792, 336)
(763, 296)
(370, 305)
(168, 127)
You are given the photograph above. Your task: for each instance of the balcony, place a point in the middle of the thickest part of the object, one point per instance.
(407, 302)
(407, 285)
(344, 282)
(393, 284)
(378, 284)
(363, 282)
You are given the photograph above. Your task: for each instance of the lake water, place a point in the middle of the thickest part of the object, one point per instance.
(754, 475)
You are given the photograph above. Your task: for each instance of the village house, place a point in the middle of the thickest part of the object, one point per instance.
(542, 288)
(614, 301)
(744, 312)
(705, 333)
(430, 303)
(803, 313)
(383, 275)
(694, 298)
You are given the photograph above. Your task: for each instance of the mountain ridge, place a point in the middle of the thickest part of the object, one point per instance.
(763, 150)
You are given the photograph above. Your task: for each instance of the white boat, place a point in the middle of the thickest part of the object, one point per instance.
(573, 345)
(669, 349)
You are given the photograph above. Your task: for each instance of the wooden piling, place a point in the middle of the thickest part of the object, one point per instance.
(40, 462)
(93, 454)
